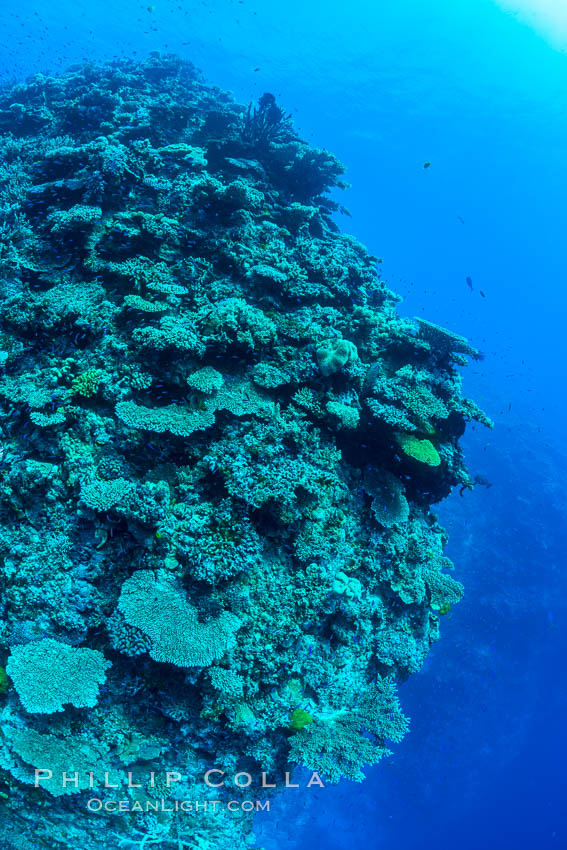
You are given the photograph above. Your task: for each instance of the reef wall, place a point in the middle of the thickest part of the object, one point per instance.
(219, 449)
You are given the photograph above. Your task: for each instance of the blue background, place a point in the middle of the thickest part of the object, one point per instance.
(470, 88)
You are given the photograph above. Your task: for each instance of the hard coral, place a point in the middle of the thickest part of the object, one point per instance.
(48, 674)
(421, 450)
(334, 354)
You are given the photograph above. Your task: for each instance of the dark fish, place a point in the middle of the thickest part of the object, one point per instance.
(469, 283)
(461, 219)
(426, 164)
(482, 293)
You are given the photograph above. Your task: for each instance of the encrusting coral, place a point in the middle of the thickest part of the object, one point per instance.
(219, 449)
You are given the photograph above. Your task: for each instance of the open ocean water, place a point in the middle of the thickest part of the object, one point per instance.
(478, 90)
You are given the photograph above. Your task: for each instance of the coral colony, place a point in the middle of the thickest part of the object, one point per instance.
(220, 446)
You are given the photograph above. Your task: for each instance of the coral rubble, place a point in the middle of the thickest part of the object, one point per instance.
(219, 449)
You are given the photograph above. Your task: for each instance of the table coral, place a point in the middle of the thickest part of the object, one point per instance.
(48, 674)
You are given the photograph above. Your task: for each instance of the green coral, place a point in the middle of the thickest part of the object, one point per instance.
(87, 383)
(421, 450)
(299, 719)
(4, 681)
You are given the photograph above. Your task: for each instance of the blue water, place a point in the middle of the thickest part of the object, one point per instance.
(481, 95)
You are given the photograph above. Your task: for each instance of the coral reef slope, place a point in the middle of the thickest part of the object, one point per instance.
(219, 450)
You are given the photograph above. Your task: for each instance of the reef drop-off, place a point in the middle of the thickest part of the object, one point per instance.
(219, 449)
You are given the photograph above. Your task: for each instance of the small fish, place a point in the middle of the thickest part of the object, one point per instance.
(482, 293)
(426, 164)
(469, 283)
(461, 219)
(256, 69)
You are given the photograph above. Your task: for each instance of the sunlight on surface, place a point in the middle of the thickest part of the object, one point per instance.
(549, 17)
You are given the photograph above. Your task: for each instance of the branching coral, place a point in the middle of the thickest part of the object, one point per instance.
(337, 745)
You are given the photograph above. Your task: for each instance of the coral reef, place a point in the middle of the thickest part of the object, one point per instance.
(219, 449)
